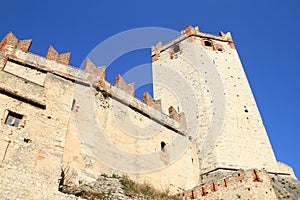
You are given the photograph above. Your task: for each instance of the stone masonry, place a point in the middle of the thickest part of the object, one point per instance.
(213, 92)
(202, 136)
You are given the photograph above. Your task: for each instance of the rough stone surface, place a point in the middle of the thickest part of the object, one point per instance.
(207, 82)
(251, 184)
(205, 131)
(286, 187)
(103, 188)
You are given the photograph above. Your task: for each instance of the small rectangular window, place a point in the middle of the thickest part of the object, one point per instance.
(207, 43)
(176, 48)
(13, 119)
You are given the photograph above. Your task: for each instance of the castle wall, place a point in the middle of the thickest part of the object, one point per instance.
(74, 120)
(250, 184)
(106, 136)
(31, 152)
(60, 124)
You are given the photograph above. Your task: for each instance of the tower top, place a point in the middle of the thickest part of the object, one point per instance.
(192, 32)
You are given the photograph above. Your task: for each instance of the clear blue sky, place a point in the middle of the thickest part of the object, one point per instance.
(266, 34)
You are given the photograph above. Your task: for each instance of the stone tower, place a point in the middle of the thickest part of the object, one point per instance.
(62, 126)
(202, 74)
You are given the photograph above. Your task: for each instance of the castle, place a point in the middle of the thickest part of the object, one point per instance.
(201, 136)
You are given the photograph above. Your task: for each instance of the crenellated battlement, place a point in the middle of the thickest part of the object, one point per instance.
(10, 42)
(191, 33)
(57, 119)
(240, 184)
(16, 51)
(63, 58)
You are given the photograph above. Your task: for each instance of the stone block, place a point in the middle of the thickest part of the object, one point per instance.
(179, 117)
(9, 42)
(147, 99)
(120, 83)
(52, 54)
(64, 58)
(96, 75)
(24, 45)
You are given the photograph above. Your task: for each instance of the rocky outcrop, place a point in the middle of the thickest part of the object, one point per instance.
(115, 187)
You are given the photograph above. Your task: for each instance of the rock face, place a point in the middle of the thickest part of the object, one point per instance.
(116, 187)
(201, 129)
(102, 188)
(286, 187)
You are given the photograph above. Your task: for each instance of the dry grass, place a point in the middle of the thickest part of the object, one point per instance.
(132, 188)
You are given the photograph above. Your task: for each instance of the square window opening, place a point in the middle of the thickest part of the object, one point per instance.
(13, 119)
(176, 48)
(207, 43)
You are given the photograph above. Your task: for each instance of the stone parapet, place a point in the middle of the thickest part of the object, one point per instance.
(16, 51)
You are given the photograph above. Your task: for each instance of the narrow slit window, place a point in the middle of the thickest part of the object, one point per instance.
(13, 119)
(163, 146)
(73, 104)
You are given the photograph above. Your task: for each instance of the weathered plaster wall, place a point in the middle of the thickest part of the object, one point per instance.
(107, 136)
